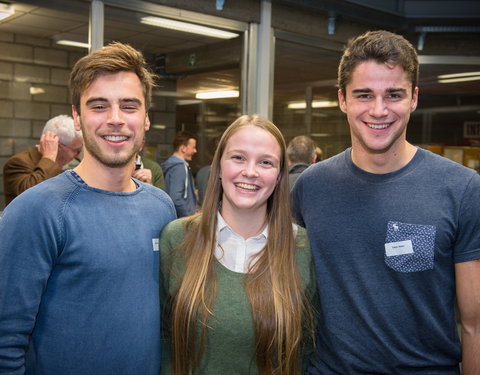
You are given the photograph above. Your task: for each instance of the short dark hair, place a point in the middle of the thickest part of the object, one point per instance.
(381, 46)
(301, 149)
(182, 138)
(111, 59)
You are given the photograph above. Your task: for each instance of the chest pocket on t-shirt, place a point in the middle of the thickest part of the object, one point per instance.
(409, 247)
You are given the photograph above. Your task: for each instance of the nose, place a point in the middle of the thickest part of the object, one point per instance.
(379, 108)
(115, 115)
(250, 170)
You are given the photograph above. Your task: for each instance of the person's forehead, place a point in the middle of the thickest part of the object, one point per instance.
(129, 79)
(375, 73)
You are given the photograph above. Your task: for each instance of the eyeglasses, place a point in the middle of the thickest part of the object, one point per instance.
(76, 151)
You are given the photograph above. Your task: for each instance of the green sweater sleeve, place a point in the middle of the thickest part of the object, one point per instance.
(170, 269)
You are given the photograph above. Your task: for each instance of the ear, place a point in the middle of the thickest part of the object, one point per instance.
(76, 119)
(414, 99)
(147, 122)
(342, 101)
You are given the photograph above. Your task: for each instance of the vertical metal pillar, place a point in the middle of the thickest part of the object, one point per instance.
(265, 62)
(96, 25)
(308, 110)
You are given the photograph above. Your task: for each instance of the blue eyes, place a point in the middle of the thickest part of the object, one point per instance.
(101, 107)
(263, 163)
(389, 96)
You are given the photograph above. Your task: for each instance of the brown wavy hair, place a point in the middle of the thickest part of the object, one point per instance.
(383, 47)
(280, 310)
(113, 58)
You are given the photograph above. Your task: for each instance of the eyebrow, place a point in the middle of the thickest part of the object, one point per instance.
(242, 151)
(93, 100)
(104, 100)
(389, 91)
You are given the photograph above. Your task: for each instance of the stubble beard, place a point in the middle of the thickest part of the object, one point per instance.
(114, 160)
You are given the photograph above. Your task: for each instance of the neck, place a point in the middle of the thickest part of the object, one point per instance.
(246, 223)
(383, 162)
(99, 176)
(178, 154)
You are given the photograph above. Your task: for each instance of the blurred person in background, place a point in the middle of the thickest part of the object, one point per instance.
(178, 176)
(59, 144)
(301, 154)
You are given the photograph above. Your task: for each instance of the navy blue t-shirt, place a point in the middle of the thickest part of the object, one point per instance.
(384, 247)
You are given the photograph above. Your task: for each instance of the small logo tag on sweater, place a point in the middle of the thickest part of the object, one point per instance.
(156, 244)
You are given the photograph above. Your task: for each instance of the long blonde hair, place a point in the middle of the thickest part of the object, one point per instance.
(273, 285)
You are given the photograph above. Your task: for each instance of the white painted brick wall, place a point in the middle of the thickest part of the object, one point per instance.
(10, 127)
(16, 52)
(53, 94)
(31, 110)
(50, 57)
(6, 109)
(31, 73)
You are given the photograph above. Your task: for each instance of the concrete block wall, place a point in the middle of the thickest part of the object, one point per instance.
(33, 88)
(34, 76)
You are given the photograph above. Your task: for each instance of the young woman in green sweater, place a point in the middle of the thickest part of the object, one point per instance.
(237, 279)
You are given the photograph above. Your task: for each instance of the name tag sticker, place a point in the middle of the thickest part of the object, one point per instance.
(155, 243)
(398, 248)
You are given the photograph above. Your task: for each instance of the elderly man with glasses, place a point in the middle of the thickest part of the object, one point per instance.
(59, 144)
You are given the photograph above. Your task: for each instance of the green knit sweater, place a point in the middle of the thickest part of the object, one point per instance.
(230, 342)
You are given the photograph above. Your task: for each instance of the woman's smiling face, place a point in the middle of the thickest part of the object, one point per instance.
(249, 169)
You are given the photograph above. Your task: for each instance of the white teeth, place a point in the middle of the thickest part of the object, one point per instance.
(115, 138)
(378, 126)
(247, 186)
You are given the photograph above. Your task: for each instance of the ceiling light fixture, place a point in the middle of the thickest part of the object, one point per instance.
(459, 77)
(159, 127)
(6, 10)
(315, 104)
(36, 90)
(187, 27)
(217, 94)
(72, 43)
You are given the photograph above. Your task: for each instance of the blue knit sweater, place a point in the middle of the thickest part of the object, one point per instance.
(79, 279)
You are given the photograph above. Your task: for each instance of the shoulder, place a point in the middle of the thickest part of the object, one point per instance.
(175, 230)
(48, 201)
(172, 234)
(451, 173)
(23, 157)
(434, 160)
(53, 191)
(324, 167)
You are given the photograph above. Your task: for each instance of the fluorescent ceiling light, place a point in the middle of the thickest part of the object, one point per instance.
(36, 90)
(188, 101)
(315, 104)
(217, 94)
(464, 79)
(73, 43)
(6, 10)
(459, 77)
(159, 127)
(187, 27)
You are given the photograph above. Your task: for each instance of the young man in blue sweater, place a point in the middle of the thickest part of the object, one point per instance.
(394, 230)
(79, 252)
